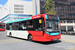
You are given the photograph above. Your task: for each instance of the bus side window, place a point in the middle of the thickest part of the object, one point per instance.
(7, 26)
(30, 25)
(15, 26)
(10, 27)
(23, 25)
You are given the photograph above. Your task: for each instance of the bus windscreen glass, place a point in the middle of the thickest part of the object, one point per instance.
(52, 24)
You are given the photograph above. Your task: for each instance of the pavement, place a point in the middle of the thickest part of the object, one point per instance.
(68, 38)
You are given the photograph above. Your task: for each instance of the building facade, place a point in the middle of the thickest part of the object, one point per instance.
(65, 9)
(36, 7)
(15, 9)
(0, 13)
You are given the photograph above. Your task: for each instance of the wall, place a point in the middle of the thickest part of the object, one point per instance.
(0, 13)
(9, 8)
(36, 7)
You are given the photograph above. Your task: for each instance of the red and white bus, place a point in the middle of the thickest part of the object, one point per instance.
(43, 28)
(2, 26)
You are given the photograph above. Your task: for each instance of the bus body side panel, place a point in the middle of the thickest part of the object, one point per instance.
(37, 38)
(36, 35)
(20, 34)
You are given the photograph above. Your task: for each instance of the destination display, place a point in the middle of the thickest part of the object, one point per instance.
(52, 17)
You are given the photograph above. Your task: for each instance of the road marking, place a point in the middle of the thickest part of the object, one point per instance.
(66, 40)
(9, 41)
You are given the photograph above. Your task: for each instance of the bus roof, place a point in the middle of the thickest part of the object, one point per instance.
(19, 20)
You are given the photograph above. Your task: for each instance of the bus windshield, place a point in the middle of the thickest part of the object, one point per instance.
(52, 25)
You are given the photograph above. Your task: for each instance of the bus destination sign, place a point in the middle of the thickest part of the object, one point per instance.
(51, 17)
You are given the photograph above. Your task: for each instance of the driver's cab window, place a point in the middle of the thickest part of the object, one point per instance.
(38, 24)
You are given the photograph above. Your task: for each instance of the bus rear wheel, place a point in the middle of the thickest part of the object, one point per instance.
(10, 35)
(30, 37)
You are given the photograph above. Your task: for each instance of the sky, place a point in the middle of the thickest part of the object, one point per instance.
(2, 2)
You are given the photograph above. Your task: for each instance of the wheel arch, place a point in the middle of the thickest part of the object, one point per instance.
(29, 34)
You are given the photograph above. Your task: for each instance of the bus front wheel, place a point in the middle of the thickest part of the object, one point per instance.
(30, 37)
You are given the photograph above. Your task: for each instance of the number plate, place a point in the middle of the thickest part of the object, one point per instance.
(55, 39)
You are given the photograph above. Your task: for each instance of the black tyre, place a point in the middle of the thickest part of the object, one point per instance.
(10, 35)
(30, 37)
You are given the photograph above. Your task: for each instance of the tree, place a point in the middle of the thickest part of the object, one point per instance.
(49, 7)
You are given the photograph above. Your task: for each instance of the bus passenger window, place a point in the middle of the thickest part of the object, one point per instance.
(30, 25)
(23, 25)
(10, 27)
(7, 27)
